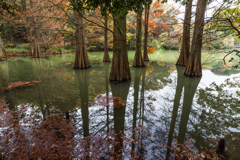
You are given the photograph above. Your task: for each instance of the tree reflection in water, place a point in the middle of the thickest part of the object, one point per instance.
(154, 100)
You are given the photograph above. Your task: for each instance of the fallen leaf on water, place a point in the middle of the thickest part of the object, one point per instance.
(233, 139)
(19, 84)
(68, 63)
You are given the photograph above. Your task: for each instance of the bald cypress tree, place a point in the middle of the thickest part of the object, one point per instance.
(184, 55)
(81, 60)
(138, 60)
(194, 66)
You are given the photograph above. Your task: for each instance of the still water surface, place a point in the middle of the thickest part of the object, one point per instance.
(171, 106)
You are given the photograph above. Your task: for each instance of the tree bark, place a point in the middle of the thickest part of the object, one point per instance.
(106, 57)
(145, 55)
(138, 60)
(34, 47)
(2, 50)
(120, 70)
(194, 66)
(184, 55)
(81, 58)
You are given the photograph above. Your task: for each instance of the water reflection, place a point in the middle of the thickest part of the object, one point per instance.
(170, 106)
(178, 93)
(82, 77)
(119, 90)
(190, 86)
(106, 73)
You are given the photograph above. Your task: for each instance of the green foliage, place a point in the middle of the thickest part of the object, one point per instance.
(228, 21)
(10, 45)
(68, 47)
(113, 6)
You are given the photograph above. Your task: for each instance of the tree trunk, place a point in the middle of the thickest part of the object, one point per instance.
(138, 60)
(106, 55)
(34, 50)
(145, 55)
(120, 66)
(184, 55)
(81, 58)
(2, 50)
(194, 67)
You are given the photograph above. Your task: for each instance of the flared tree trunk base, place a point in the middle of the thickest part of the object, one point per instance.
(145, 58)
(81, 68)
(182, 61)
(193, 69)
(138, 61)
(36, 52)
(107, 60)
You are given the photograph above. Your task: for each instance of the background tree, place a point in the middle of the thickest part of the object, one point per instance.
(106, 57)
(145, 55)
(138, 60)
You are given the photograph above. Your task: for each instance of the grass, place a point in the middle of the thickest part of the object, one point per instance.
(16, 50)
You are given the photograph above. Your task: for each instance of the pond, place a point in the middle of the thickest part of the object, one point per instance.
(170, 106)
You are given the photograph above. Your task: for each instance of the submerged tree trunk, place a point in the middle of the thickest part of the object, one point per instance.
(184, 55)
(2, 50)
(120, 70)
(138, 60)
(81, 58)
(145, 55)
(106, 55)
(194, 66)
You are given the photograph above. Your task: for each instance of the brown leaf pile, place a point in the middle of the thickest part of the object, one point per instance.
(19, 84)
(115, 102)
(16, 54)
